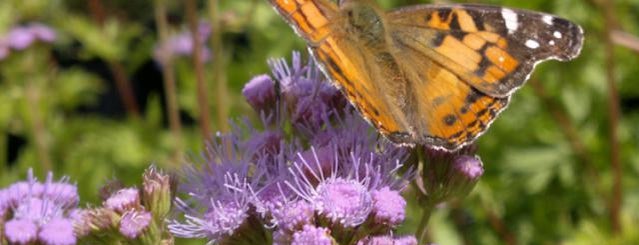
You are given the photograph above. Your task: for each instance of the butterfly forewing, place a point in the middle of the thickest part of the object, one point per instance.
(311, 19)
(493, 49)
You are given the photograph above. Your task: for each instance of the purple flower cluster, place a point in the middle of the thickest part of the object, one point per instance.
(132, 214)
(21, 37)
(181, 44)
(328, 179)
(34, 212)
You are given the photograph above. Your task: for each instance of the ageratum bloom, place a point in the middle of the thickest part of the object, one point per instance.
(345, 191)
(22, 37)
(307, 95)
(222, 191)
(449, 175)
(38, 212)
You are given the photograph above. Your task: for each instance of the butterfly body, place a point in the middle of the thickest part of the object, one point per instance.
(429, 74)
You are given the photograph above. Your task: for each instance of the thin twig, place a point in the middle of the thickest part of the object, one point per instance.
(219, 61)
(169, 80)
(614, 114)
(117, 69)
(499, 226)
(625, 39)
(198, 65)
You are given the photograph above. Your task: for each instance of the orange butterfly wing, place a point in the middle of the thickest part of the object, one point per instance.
(443, 73)
(493, 49)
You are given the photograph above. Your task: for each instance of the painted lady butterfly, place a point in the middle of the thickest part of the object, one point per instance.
(429, 74)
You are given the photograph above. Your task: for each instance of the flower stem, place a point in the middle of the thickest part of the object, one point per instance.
(169, 80)
(219, 76)
(427, 211)
(198, 66)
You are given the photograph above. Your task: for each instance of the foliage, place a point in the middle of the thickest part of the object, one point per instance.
(548, 177)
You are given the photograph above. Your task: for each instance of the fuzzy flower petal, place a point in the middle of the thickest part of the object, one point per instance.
(312, 235)
(58, 231)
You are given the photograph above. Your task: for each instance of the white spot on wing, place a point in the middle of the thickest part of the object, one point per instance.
(551, 42)
(532, 44)
(510, 18)
(501, 58)
(557, 34)
(548, 19)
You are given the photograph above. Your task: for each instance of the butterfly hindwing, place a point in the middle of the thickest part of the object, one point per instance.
(493, 49)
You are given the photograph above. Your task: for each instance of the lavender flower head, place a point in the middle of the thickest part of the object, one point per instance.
(341, 188)
(307, 94)
(449, 175)
(221, 191)
(182, 44)
(22, 37)
(134, 222)
(324, 181)
(388, 240)
(39, 212)
(312, 235)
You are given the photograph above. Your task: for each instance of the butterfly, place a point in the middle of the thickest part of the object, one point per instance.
(434, 75)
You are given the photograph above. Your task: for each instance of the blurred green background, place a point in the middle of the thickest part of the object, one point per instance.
(93, 105)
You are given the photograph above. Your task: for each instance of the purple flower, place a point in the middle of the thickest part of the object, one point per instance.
(58, 231)
(260, 93)
(39, 211)
(221, 190)
(20, 231)
(469, 167)
(134, 222)
(341, 189)
(308, 96)
(312, 235)
(293, 215)
(388, 207)
(448, 175)
(388, 240)
(182, 45)
(43, 32)
(123, 200)
(20, 38)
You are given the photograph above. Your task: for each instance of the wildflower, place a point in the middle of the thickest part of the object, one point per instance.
(260, 93)
(388, 240)
(388, 206)
(182, 44)
(221, 191)
(341, 190)
(134, 222)
(308, 96)
(157, 192)
(20, 38)
(128, 214)
(312, 235)
(123, 200)
(449, 175)
(39, 212)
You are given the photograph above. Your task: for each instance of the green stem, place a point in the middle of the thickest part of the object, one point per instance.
(427, 211)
